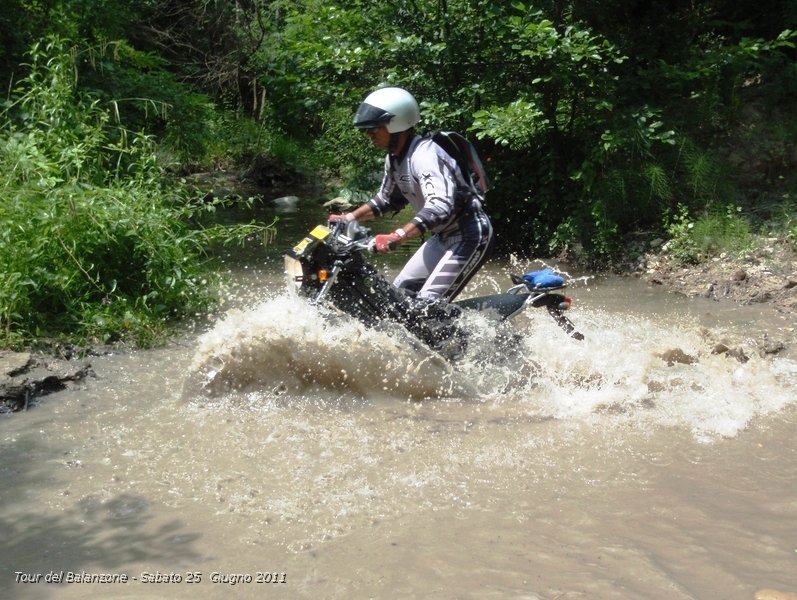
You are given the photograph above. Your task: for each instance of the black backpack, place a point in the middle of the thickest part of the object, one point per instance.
(462, 150)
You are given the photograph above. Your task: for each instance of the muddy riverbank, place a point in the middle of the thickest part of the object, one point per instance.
(766, 276)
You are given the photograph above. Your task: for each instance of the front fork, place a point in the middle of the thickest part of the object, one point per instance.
(330, 281)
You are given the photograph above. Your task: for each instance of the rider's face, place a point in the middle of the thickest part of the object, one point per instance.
(379, 136)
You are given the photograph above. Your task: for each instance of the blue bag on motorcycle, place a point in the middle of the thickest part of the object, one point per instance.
(545, 278)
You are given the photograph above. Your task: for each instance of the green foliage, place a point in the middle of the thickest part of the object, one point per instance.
(681, 245)
(141, 84)
(595, 119)
(234, 140)
(93, 243)
(346, 148)
(711, 234)
(512, 125)
(147, 97)
(791, 233)
(789, 219)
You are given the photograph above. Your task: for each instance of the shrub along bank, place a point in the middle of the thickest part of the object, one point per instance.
(95, 243)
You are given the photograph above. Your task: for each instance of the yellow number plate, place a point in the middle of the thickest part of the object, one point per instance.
(320, 232)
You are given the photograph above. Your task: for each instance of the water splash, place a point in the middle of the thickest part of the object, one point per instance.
(628, 368)
(638, 370)
(288, 346)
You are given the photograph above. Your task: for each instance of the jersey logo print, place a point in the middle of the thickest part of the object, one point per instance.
(427, 182)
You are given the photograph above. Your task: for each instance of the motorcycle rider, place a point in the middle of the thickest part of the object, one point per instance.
(420, 173)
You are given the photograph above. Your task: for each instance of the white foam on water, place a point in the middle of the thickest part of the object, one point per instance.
(287, 346)
(628, 368)
(634, 368)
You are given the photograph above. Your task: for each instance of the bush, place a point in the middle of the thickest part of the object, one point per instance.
(694, 240)
(94, 243)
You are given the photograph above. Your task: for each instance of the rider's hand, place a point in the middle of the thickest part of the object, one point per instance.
(342, 217)
(386, 242)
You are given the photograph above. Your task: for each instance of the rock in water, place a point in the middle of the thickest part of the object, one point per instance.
(23, 378)
(286, 204)
(676, 355)
(339, 204)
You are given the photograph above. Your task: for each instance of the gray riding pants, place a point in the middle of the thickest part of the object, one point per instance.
(444, 263)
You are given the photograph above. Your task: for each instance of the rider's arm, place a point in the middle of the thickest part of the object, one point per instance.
(409, 231)
(363, 213)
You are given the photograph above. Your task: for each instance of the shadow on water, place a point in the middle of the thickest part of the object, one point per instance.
(94, 535)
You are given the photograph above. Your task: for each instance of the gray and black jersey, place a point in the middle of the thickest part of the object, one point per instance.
(429, 179)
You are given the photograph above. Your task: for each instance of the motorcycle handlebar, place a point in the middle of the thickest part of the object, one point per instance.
(356, 235)
(349, 229)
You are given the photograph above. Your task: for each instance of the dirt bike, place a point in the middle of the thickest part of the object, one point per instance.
(329, 267)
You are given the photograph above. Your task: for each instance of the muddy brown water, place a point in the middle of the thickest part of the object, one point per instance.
(273, 453)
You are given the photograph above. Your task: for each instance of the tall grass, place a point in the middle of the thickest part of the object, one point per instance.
(95, 245)
(693, 240)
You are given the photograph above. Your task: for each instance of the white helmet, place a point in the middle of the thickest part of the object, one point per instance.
(391, 106)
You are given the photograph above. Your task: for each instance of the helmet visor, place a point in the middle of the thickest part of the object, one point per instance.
(371, 116)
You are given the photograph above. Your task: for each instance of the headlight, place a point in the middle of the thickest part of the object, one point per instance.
(294, 271)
